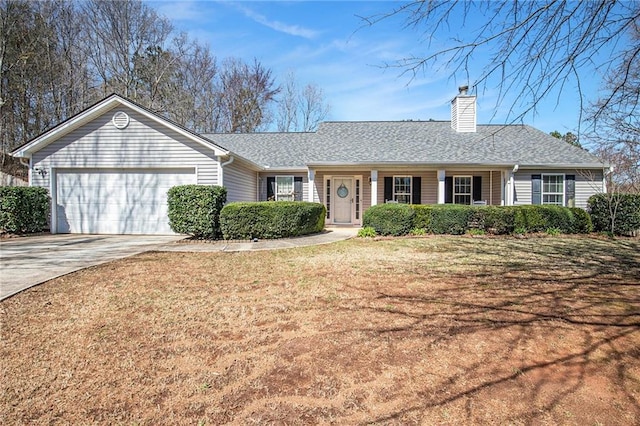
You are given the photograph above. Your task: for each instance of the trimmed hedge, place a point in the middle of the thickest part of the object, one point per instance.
(624, 209)
(23, 209)
(271, 219)
(389, 219)
(455, 219)
(195, 209)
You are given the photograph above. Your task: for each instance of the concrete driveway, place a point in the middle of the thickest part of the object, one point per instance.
(28, 261)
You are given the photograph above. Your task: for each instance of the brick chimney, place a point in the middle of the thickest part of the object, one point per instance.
(463, 111)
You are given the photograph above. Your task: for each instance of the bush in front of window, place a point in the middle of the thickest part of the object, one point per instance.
(499, 220)
(582, 223)
(390, 219)
(195, 210)
(451, 219)
(539, 218)
(23, 209)
(271, 219)
(616, 213)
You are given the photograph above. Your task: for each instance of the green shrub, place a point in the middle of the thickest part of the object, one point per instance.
(23, 209)
(390, 219)
(615, 213)
(422, 216)
(367, 232)
(451, 219)
(553, 231)
(499, 220)
(271, 219)
(539, 218)
(581, 221)
(418, 232)
(195, 209)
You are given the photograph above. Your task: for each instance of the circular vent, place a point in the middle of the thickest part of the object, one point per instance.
(120, 120)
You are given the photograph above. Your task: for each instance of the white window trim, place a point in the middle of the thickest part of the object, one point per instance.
(453, 190)
(564, 191)
(293, 186)
(410, 193)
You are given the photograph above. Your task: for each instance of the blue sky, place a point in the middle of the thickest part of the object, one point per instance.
(326, 43)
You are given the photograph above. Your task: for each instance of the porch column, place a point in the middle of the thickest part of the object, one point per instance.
(441, 186)
(311, 174)
(503, 192)
(374, 187)
(512, 189)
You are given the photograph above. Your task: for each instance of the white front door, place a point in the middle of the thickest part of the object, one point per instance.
(343, 200)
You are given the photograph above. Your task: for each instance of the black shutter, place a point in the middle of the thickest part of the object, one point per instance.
(388, 188)
(570, 190)
(297, 188)
(416, 190)
(271, 186)
(448, 189)
(536, 189)
(477, 188)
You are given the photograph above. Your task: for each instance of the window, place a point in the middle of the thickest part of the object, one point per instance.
(284, 188)
(402, 189)
(553, 189)
(462, 189)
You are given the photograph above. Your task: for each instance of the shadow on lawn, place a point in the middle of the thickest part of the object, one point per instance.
(589, 287)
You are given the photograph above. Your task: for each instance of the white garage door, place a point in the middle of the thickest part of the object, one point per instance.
(116, 201)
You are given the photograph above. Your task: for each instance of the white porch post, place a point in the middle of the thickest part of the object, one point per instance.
(374, 187)
(511, 193)
(441, 186)
(503, 192)
(311, 174)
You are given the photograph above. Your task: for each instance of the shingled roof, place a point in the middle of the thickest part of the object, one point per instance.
(406, 142)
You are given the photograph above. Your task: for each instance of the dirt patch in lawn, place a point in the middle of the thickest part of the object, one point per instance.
(436, 330)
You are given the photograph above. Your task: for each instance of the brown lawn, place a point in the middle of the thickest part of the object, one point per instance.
(435, 330)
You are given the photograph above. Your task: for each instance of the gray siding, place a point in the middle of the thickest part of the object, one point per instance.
(143, 143)
(240, 181)
(588, 182)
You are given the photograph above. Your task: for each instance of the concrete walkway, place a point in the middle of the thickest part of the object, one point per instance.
(330, 235)
(29, 261)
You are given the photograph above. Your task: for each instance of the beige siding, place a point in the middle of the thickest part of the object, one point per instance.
(240, 181)
(588, 182)
(143, 143)
(428, 184)
(263, 183)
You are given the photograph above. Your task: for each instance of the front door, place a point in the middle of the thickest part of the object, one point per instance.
(343, 200)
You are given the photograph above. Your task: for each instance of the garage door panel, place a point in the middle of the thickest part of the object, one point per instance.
(117, 201)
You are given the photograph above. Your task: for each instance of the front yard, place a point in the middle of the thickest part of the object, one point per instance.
(435, 330)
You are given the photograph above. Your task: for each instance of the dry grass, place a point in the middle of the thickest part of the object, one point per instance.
(437, 330)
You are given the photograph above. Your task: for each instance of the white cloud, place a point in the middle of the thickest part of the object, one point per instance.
(294, 30)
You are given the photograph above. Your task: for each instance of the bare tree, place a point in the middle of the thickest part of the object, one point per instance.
(287, 114)
(246, 92)
(300, 110)
(313, 109)
(118, 33)
(534, 49)
(614, 120)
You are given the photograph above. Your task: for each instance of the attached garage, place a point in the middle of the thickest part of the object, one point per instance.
(115, 201)
(109, 168)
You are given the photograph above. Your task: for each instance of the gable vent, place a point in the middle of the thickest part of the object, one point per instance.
(120, 120)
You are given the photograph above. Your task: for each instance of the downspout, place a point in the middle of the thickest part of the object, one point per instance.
(222, 166)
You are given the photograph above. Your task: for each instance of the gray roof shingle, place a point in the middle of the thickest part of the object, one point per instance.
(418, 142)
